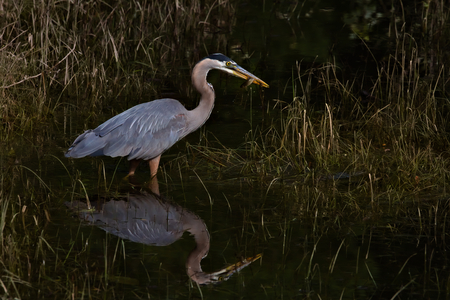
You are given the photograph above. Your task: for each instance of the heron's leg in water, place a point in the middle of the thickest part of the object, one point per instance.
(154, 164)
(134, 163)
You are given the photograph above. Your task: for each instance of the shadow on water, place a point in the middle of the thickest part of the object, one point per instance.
(148, 218)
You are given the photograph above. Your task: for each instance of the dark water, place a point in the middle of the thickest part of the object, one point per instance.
(313, 257)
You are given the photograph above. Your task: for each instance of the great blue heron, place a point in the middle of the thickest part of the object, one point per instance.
(145, 131)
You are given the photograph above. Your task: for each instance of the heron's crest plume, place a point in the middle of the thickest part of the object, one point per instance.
(220, 57)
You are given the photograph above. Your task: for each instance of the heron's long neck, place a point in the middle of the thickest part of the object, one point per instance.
(201, 113)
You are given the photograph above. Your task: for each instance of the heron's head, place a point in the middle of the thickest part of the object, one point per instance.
(221, 62)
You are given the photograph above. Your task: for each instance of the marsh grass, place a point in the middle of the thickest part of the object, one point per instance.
(60, 55)
(24, 247)
(396, 133)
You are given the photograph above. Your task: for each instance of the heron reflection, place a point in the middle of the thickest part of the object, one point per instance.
(147, 218)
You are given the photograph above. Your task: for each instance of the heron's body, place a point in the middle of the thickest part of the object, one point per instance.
(123, 134)
(145, 131)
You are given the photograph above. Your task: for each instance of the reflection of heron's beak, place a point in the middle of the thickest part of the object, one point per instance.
(244, 74)
(227, 272)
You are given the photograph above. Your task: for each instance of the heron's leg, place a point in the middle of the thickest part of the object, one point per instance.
(134, 163)
(154, 164)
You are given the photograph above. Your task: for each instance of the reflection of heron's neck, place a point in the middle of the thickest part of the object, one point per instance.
(201, 113)
(193, 268)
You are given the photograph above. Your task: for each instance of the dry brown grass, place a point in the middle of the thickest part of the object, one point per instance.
(75, 55)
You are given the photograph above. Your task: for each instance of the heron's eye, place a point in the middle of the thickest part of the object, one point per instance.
(228, 63)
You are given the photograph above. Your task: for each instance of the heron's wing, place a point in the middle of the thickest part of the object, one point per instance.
(141, 132)
(148, 131)
(146, 117)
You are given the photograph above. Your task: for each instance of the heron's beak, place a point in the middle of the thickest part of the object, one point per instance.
(244, 74)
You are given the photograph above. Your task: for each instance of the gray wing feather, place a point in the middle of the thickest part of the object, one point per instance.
(141, 132)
